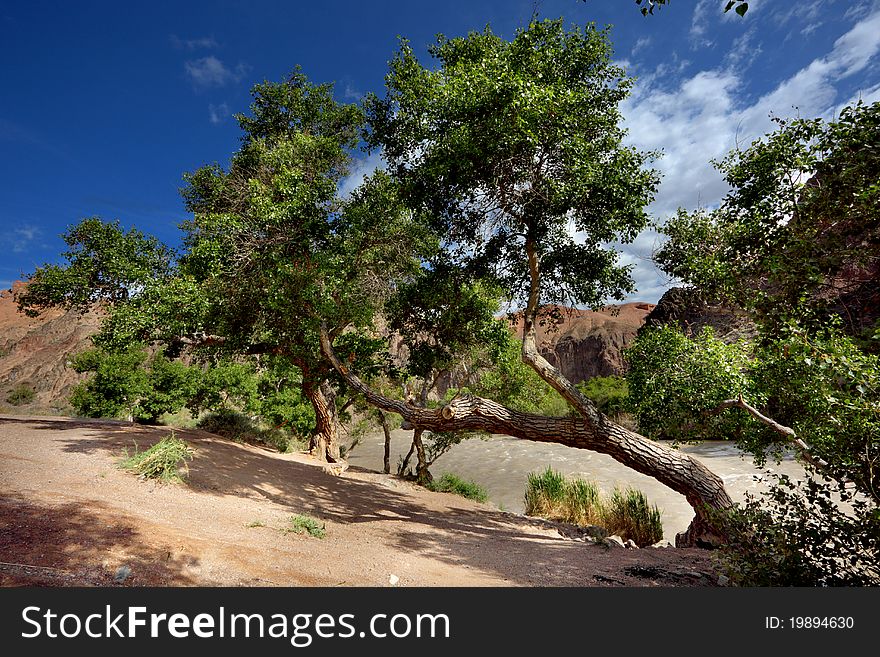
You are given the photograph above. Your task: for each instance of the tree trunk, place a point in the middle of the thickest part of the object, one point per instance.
(386, 459)
(423, 475)
(702, 489)
(324, 443)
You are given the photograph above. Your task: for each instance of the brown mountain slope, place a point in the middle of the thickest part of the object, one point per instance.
(589, 343)
(34, 353)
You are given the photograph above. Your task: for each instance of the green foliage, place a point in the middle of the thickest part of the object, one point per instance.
(675, 382)
(162, 461)
(508, 144)
(627, 514)
(450, 483)
(117, 383)
(797, 534)
(799, 227)
(511, 382)
(21, 394)
(300, 524)
(608, 393)
(240, 428)
(104, 263)
(132, 383)
(551, 495)
(647, 7)
(822, 385)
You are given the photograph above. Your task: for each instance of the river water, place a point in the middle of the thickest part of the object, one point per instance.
(501, 465)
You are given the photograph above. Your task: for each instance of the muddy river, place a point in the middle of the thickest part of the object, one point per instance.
(501, 465)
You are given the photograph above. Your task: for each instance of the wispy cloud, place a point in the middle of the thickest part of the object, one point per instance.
(700, 24)
(23, 237)
(199, 43)
(360, 171)
(218, 113)
(211, 72)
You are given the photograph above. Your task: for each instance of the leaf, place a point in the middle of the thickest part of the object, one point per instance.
(729, 6)
(742, 9)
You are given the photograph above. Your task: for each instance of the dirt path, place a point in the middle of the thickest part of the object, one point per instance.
(70, 516)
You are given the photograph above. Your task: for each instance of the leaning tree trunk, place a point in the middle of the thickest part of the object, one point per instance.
(703, 490)
(324, 442)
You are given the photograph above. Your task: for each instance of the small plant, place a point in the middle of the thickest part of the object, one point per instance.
(450, 483)
(162, 461)
(300, 524)
(625, 513)
(21, 394)
(255, 523)
(629, 515)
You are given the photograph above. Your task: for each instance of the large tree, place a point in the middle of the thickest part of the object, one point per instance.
(797, 243)
(272, 251)
(513, 151)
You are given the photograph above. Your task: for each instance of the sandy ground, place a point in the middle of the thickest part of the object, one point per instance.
(70, 516)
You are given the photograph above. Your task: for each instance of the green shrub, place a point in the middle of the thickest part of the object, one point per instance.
(609, 393)
(240, 428)
(450, 483)
(162, 461)
(797, 534)
(628, 514)
(300, 524)
(21, 394)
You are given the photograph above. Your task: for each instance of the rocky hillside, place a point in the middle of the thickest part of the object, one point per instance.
(589, 343)
(685, 307)
(34, 351)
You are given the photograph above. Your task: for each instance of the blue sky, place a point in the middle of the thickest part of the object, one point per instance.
(103, 106)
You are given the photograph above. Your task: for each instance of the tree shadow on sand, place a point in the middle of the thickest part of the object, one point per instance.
(67, 545)
(450, 530)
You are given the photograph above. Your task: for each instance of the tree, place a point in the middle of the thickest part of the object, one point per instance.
(798, 236)
(105, 265)
(508, 148)
(796, 242)
(271, 252)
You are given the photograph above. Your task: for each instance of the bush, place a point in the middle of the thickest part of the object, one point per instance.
(306, 525)
(628, 514)
(798, 535)
(161, 461)
(450, 483)
(240, 428)
(608, 393)
(21, 394)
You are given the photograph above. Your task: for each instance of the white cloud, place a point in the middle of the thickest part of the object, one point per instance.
(203, 43)
(211, 72)
(360, 171)
(23, 237)
(700, 23)
(703, 117)
(218, 113)
(743, 51)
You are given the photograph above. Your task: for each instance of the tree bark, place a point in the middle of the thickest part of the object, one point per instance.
(703, 490)
(386, 457)
(324, 442)
(423, 475)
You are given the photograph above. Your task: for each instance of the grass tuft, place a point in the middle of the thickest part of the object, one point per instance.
(162, 461)
(300, 524)
(625, 513)
(450, 483)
